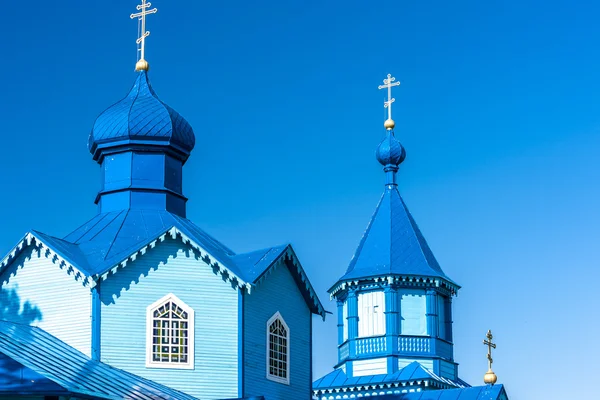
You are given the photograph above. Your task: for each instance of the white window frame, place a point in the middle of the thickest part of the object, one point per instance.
(371, 314)
(286, 380)
(149, 330)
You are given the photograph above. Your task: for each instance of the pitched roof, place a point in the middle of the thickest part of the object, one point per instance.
(73, 371)
(109, 240)
(255, 263)
(411, 373)
(393, 245)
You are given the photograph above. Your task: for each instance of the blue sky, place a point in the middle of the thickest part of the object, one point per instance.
(498, 110)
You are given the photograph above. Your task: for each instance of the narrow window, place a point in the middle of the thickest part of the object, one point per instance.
(278, 350)
(371, 314)
(170, 334)
(413, 307)
(441, 308)
(345, 318)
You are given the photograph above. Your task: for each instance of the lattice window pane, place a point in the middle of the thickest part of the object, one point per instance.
(170, 334)
(278, 349)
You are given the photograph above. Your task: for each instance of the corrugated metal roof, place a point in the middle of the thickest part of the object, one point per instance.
(393, 244)
(110, 238)
(255, 263)
(72, 370)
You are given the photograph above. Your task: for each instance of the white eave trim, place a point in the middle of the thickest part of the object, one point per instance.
(412, 280)
(280, 261)
(31, 239)
(174, 233)
(440, 384)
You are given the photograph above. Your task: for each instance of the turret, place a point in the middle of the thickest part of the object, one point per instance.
(394, 301)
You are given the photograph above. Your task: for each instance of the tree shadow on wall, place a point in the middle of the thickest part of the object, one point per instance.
(11, 308)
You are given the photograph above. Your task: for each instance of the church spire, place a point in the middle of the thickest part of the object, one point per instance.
(142, 64)
(390, 152)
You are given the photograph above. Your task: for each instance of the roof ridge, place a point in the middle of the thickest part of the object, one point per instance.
(117, 234)
(419, 235)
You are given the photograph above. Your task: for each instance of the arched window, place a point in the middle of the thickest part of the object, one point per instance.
(170, 334)
(278, 350)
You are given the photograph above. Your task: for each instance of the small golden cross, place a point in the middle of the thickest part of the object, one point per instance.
(490, 346)
(143, 33)
(388, 83)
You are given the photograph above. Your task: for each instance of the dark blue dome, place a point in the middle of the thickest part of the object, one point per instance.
(390, 151)
(141, 119)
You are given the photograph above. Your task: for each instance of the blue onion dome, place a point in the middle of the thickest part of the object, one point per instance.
(390, 151)
(142, 121)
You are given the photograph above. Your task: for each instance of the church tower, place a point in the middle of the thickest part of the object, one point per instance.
(394, 303)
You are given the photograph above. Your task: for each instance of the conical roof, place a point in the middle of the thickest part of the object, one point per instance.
(393, 245)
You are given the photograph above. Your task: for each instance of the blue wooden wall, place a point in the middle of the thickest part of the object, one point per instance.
(278, 292)
(172, 267)
(36, 291)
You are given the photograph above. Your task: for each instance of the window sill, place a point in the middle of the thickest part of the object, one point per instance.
(278, 379)
(169, 366)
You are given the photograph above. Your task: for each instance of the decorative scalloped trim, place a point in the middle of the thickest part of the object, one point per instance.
(408, 280)
(442, 383)
(173, 233)
(31, 240)
(291, 255)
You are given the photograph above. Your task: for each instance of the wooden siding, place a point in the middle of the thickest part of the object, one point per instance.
(172, 267)
(36, 291)
(375, 366)
(447, 370)
(278, 292)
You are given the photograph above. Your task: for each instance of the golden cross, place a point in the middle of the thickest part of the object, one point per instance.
(490, 346)
(389, 83)
(141, 16)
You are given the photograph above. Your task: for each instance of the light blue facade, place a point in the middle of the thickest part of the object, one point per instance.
(37, 291)
(172, 267)
(95, 289)
(277, 293)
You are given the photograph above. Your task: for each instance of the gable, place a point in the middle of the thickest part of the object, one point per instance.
(277, 295)
(226, 271)
(258, 265)
(59, 253)
(36, 288)
(172, 267)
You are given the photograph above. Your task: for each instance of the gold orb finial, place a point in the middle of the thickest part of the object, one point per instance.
(142, 65)
(389, 124)
(490, 377)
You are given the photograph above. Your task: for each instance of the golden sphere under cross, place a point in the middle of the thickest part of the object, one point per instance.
(142, 65)
(490, 377)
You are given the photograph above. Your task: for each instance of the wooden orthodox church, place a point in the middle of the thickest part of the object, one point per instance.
(140, 303)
